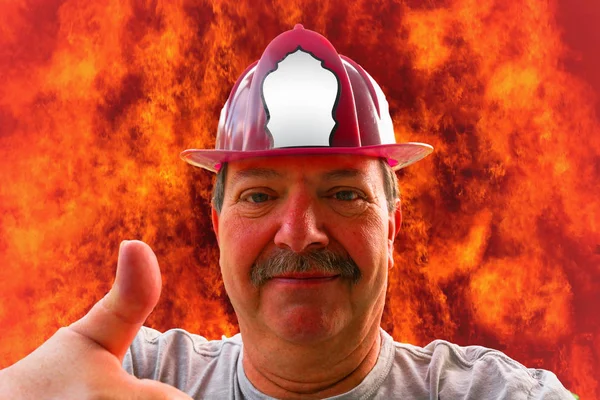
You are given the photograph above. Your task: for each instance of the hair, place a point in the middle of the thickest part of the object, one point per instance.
(390, 186)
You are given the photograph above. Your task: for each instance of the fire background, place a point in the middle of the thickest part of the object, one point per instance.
(500, 243)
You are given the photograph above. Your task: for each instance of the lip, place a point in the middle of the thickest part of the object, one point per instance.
(305, 275)
(305, 281)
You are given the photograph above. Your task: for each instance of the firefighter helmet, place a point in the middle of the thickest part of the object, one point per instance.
(303, 98)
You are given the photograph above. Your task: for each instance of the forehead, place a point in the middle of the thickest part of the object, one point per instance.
(329, 167)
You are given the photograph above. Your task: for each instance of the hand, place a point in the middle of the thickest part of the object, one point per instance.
(83, 360)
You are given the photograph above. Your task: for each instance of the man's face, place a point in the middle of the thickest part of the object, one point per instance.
(305, 243)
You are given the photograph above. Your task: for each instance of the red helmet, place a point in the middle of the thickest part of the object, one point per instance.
(303, 98)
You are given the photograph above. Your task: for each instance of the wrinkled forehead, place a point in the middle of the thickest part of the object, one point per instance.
(307, 163)
(329, 167)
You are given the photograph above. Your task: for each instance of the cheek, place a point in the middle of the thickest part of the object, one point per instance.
(241, 242)
(367, 244)
(368, 241)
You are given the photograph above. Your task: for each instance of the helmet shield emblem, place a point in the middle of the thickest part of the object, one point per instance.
(300, 97)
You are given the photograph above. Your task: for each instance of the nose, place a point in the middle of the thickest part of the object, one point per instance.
(301, 227)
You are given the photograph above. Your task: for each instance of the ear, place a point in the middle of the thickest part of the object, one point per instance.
(394, 224)
(215, 222)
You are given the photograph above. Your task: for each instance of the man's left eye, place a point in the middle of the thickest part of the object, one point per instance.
(346, 195)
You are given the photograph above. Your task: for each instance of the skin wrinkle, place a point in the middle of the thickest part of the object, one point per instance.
(322, 392)
(351, 380)
(282, 261)
(316, 342)
(390, 186)
(264, 173)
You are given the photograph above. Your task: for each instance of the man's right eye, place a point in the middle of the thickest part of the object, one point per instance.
(256, 198)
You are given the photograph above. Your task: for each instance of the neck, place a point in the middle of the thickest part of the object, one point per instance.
(324, 370)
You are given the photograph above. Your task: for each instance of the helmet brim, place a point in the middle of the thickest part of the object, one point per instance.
(399, 155)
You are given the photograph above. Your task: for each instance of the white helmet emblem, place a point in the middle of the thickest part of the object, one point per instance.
(300, 96)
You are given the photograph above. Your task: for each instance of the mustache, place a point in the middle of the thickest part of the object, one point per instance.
(282, 261)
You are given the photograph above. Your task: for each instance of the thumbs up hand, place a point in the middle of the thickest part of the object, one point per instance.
(83, 360)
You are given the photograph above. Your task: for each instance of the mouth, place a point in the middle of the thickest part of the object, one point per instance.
(306, 275)
(304, 280)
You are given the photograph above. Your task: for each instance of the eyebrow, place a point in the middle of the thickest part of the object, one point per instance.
(338, 174)
(267, 173)
(263, 173)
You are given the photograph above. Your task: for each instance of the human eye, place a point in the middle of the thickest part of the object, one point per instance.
(346, 195)
(348, 201)
(255, 197)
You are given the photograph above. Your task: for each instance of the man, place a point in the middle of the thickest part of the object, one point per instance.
(305, 211)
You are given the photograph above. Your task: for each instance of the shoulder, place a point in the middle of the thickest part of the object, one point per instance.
(180, 340)
(475, 372)
(180, 358)
(441, 353)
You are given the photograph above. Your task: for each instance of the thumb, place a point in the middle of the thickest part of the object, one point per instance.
(114, 321)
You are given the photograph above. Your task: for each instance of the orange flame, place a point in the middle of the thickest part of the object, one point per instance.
(500, 244)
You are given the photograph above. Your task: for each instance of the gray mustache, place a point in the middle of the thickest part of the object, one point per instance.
(283, 261)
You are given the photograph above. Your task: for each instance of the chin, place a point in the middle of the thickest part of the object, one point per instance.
(304, 325)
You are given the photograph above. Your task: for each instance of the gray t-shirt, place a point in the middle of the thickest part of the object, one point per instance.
(441, 370)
